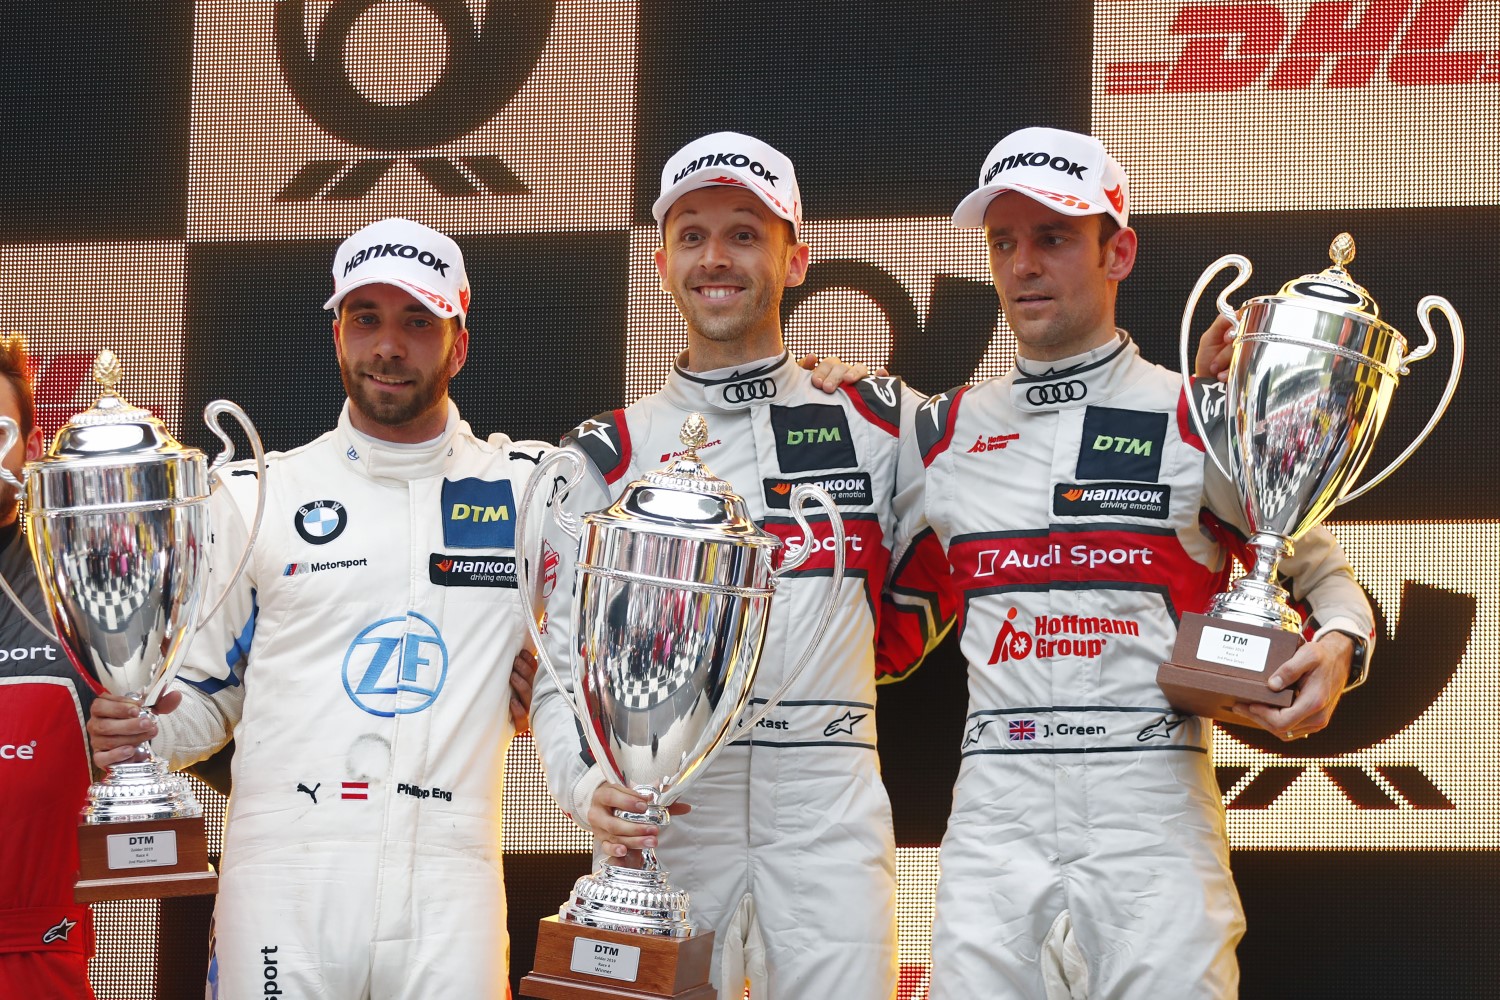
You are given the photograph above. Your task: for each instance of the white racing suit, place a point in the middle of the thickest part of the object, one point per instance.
(788, 852)
(362, 666)
(1086, 853)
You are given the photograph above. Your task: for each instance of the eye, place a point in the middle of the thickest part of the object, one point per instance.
(1002, 245)
(1054, 240)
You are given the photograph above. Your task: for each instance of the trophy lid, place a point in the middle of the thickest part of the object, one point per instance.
(112, 428)
(686, 497)
(1333, 287)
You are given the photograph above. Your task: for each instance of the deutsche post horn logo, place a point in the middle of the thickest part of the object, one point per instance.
(483, 69)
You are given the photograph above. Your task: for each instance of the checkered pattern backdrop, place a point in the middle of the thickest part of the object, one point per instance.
(177, 175)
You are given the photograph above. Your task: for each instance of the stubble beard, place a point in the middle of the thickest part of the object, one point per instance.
(388, 411)
(722, 328)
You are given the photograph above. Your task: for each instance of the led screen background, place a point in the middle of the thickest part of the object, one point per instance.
(177, 176)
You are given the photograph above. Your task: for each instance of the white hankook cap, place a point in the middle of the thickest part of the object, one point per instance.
(731, 158)
(1068, 172)
(409, 255)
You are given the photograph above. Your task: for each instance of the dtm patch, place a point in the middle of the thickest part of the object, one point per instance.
(848, 489)
(1111, 499)
(813, 436)
(1121, 444)
(479, 514)
(446, 570)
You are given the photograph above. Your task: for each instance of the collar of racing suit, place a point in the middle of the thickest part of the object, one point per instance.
(398, 463)
(1077, 381)
(743, 387)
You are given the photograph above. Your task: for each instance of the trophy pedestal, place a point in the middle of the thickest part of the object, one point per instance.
(1217, 662)
(575, 962)
(143, 859)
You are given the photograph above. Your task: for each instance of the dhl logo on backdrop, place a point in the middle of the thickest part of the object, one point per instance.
(1329, 92)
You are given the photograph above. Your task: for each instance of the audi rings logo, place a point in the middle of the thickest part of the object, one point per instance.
(749, 392)
(1070, 391)
(483, 68)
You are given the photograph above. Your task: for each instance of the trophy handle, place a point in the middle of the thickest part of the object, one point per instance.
(1425, 309)
(211, 414)
(1242, 265)
(801, 494)
(10, 436)
(525, 578)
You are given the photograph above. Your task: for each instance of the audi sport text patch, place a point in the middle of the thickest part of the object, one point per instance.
(1121, 444)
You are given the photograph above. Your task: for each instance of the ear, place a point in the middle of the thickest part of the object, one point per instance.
(34, 446)
(661, 267)
(460, 351)
(338, 340)
(796, 269)
(1119, 254)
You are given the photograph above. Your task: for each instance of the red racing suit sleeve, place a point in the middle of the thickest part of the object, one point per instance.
(919, 603)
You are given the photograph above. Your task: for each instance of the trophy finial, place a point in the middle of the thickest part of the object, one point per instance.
(694, 432)
(107, 370)
(1341, 250)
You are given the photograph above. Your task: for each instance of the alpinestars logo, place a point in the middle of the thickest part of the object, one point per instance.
(59, 931)
(1057, 636)
(1228, 47)
(484, 67)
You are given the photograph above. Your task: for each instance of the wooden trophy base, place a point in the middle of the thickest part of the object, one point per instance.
(574, 962)
(148, 859)
(1216, 663)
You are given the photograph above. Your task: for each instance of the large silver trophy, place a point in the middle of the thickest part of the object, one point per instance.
(1311, 378)
(673, 591)
(116, 517)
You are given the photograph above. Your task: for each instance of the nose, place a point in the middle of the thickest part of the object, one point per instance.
(1024, 261)
(715, 255)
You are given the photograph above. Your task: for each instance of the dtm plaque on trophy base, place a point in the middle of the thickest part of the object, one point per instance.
(1310, 383)
(117, 521)
(670, 604)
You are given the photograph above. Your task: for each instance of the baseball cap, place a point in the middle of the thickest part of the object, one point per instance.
(410, 256)
(1069, 173)
(735, 159)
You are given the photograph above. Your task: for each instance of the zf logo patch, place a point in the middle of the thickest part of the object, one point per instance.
(321, 521)
(478, 514)
(1121, 444)
(814, 436)
(396, 666)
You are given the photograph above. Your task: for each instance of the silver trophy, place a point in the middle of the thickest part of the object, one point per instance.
(1311, 378)
(116, 516)
(673, 592)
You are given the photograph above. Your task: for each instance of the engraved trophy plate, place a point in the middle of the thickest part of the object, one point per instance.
(116, 516)
(1311, 378)
(673, 592)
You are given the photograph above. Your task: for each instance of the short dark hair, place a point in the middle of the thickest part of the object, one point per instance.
(15, 368)
(1107, 228)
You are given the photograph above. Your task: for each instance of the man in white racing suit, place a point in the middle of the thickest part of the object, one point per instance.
(1086, 853)
(788, 852)
(363, 666)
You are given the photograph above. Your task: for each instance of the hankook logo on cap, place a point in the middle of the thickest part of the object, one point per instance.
(321, 521)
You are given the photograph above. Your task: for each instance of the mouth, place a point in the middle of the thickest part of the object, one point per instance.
(388, 382)
(717, 293)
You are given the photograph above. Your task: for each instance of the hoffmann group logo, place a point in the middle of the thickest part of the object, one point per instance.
(1326, 90)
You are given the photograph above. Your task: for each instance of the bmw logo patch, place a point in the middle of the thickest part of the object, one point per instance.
(321, 521)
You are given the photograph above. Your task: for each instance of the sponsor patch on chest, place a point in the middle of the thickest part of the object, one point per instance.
(812, 436)
(1121, 444)
(478, 514)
